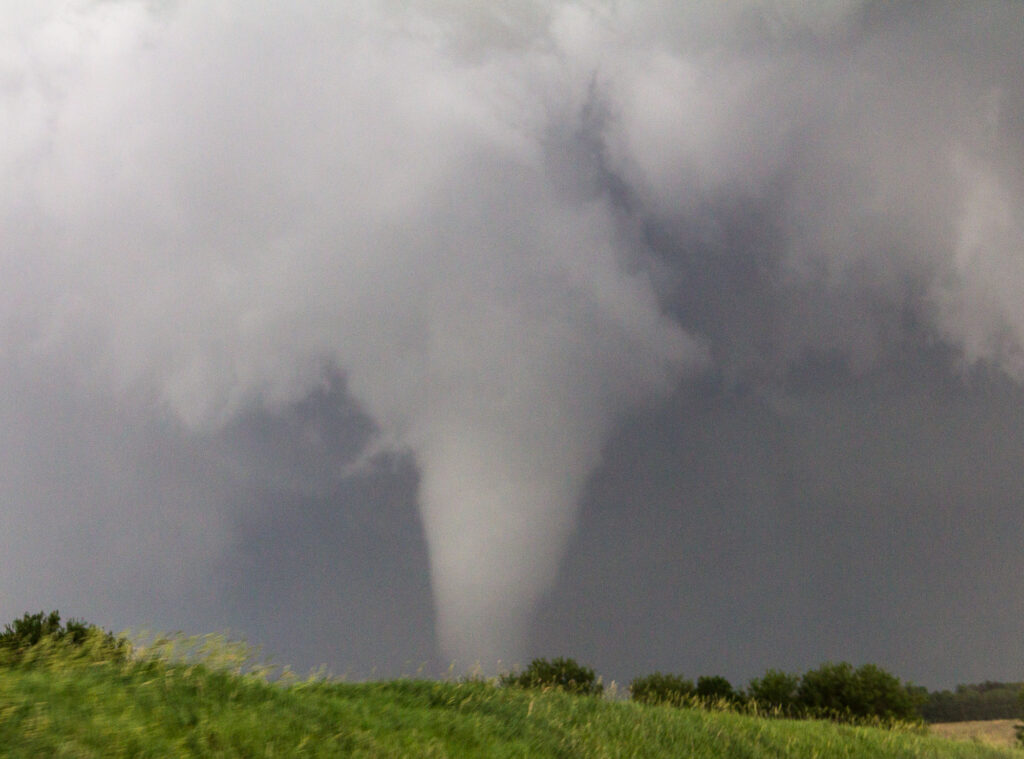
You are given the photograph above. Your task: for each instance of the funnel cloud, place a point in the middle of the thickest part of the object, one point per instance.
(499, 293)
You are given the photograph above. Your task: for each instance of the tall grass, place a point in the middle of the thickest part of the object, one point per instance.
(187, 697)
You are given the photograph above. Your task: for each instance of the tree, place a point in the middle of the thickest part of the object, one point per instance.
(839, 691)
(883, 695)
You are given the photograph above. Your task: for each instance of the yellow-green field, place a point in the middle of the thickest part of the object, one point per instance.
(994, 732)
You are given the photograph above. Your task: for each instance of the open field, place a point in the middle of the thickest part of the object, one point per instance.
(62, 704)
(994, 732)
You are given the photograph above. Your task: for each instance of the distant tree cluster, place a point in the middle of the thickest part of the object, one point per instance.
(839, 691)
(979, 701)
(832, 691)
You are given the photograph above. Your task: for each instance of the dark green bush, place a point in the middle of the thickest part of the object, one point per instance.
(776, 690)
(30, 631)
(839, 691)
(715, 689)
(564, 674)
(662, 689)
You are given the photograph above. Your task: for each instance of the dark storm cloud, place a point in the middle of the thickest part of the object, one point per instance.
(736, 285)
(871, 518)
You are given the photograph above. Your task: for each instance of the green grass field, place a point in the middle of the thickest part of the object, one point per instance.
(67, 706)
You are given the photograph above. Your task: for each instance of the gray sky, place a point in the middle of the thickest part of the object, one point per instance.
(390, 335)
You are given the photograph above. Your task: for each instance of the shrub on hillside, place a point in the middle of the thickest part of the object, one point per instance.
(31, 631)
(563, 674)
(776, 690)
(715, 689)
(662, 689)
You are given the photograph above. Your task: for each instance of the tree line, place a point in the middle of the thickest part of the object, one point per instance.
(978, 701)
(837, 691)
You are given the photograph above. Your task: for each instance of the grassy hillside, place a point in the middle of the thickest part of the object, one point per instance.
(62, 706)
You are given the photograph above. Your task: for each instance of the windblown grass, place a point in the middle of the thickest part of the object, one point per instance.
(199, 698)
